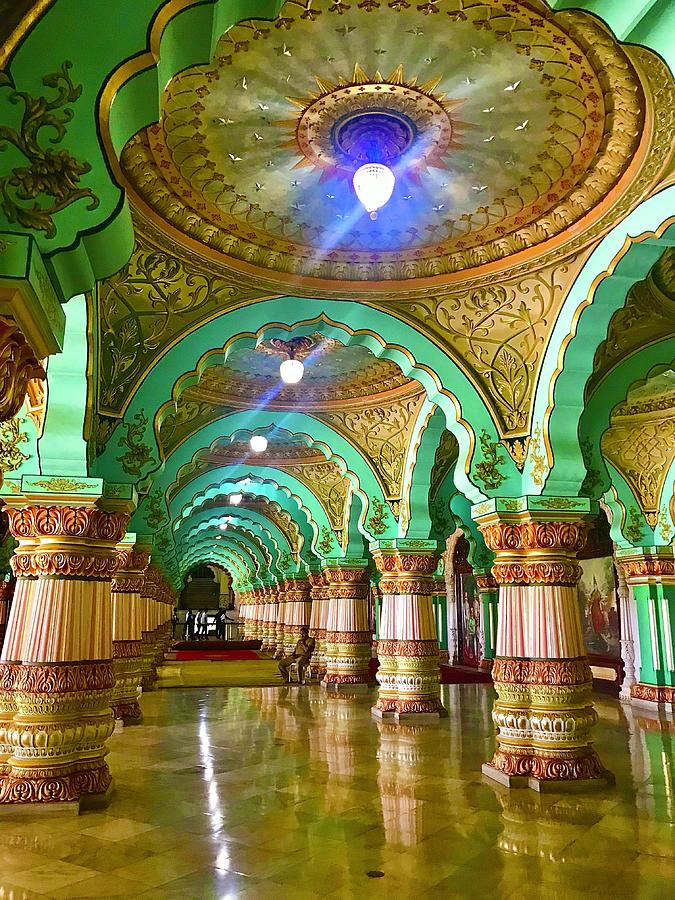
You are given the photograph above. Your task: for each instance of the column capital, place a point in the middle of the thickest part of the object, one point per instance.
(648, 565)
(69, 541)
(534, 548)
(406, 569)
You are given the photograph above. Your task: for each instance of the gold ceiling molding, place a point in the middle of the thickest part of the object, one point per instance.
(269, 509)
(500, 332)
(647, 316)
(147, 307)
(382, 434)
(210, 175)
(640, 444)
(330, 487)
(224, 386)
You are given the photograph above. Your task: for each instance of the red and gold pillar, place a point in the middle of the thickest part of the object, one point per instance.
(544, 711)
(6, 595)
(298, 609)
(269, 622)
(488, 594)
(59, 650)
(127, 632)
(348, 638)
(317, 622)
(148, 619)
(407, 645)
(281, 620)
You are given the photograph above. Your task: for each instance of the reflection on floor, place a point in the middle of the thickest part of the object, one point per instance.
(205, 673)
(287, 793)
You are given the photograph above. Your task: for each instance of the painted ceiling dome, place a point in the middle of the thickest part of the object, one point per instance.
(512, 131)
(334, 374)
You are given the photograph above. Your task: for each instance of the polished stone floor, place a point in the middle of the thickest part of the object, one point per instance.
(286, 793)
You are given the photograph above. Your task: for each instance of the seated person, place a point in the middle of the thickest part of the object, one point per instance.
(302, 654)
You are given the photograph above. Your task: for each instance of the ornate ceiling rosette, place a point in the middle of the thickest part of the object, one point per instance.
(516, 128)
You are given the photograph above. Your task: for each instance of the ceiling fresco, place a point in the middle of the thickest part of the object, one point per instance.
(524, 123)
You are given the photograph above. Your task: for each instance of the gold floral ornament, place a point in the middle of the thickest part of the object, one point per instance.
(327, 541)
(155, 514)
(634, 525)
(377, 523)
(54, 174)
(487, 470)
(138, 454)
(61, 484)
(285, 561)
(11, 456)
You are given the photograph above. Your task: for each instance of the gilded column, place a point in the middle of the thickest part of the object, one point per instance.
(407, 645)
(281, 620)
(488, 593)
(6, 595)
(61, 650)
(127, 632)
(298, 609)
(650, 571)
(348, 638)
(148, 625)
(11, 655)
(544, 712)
(317, 622)
(269, 639)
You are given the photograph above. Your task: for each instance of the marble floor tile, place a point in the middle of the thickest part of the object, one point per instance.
(271, 792)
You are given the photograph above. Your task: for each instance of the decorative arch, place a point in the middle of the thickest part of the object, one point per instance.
(349, 322)
(623, 257)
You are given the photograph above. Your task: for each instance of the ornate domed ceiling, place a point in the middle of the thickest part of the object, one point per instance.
(334, 375)
(524, 129)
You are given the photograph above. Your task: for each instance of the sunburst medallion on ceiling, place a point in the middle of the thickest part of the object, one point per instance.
(515, 125)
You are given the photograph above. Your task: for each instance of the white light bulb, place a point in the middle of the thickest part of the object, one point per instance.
(374, 185)
(291, 371)
(235, 499)
(258, 443)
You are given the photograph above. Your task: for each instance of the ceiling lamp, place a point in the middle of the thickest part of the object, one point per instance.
(291, 370)
(235, 499)
(258, 443)
(374, 184)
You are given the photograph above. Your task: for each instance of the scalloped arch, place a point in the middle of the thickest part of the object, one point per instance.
(623, 257)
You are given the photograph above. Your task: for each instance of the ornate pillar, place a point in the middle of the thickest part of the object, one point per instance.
(268, 620)
(544, 712)
(281, 620)
(488, 592)
(317, 622)
(348, 638)
(298, 609)
(627, 642)
(407, 645)
(148, 625)
(440, 601)
(127, 632)
(6, 595)
(60, 641)
(650, 572)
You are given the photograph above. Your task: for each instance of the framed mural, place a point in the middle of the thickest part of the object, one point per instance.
(470, 626)
(598, 606)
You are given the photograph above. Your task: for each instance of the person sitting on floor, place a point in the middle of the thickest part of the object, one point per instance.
(302, 654)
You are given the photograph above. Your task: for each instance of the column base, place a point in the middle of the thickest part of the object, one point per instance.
(343, 687)
(398, 717)
(547, 785)
(653, 696)
(79, 788)
(129, 713)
